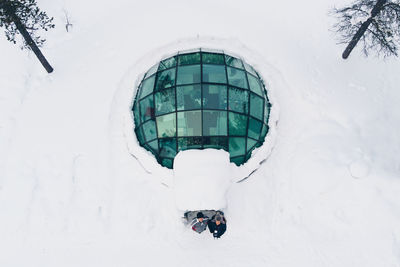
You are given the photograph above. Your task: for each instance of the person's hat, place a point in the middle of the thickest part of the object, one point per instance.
(200, 215)
(218, 218)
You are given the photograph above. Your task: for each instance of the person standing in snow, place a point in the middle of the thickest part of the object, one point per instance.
(199, 224)
(217, 225)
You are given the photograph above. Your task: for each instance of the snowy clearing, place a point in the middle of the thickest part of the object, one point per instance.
(72, 194)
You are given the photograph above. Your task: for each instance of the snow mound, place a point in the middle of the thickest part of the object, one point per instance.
(359, 169)
(202, 179)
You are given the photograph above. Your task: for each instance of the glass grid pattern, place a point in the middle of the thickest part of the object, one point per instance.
(198, 100)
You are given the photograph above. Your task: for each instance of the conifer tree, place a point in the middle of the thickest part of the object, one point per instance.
(25, 17)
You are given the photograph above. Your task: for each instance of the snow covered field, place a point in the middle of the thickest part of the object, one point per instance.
(71, 194)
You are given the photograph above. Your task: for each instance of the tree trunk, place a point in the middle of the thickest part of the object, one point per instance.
(375, 11)
(21, 28)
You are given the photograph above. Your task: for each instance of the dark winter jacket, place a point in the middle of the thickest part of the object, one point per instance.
(199, 226)
(217, 230)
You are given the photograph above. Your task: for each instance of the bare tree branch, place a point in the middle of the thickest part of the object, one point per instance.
(376, 23)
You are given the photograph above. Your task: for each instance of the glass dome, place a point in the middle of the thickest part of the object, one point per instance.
(197, 100)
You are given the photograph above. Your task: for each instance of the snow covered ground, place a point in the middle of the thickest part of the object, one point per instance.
(71, 194)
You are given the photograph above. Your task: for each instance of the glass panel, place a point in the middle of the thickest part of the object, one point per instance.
(250, 144)
(189, 143)
(214, 96)
(188, 97)
(214, 74)
(214, 122)
(239, 100)
(264, 132)
(189, 123)
(266, 112)
(255, 85)
(169, 163)
(209, 58)
(165, 79)
(254, 128)
(147, 86)
(149, 130)
(166, 125)
(238, 160)
(147, 108)
(234, 62)
(165, 101)
(168, 63)
(167, 147)
(237, 78)
(139, 135)
(237, 146)
(187, 59)
(237, 124)
(188, 74)
(152, 70)
(256, 106)
(250, 69)
(216, 142)
(154, 145)
(136, 114)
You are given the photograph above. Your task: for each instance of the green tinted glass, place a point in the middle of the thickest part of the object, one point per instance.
(189, 59)
(147, 108)
(216, 142)
(210, 58)
(234, 62)
(149, 130)
(167, 147)
(237, 78)
(169, 163)
(167, 63)
(238, 160)
(165, 101)
(215, 122)
(264, 131)
(201, 99)
(151, 71)
(255, 85)
(189, 143)
(250, 69)
(165, 79)
(166, 125)
(188, 74)
(238, 100)
(188, 97)
(237, 124)
(266, 113)
(214, 74)
(139, 135)
(254, 128)
(237, 146)
(154, 146)
(214, 96)
(147, 86)
(251, 144)
(189, 123)
(256, 106)
(136, 114)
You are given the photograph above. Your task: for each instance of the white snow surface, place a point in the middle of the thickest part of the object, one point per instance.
(202, 179)
(72, 193)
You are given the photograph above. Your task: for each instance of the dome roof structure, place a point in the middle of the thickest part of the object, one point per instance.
(198, 100)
